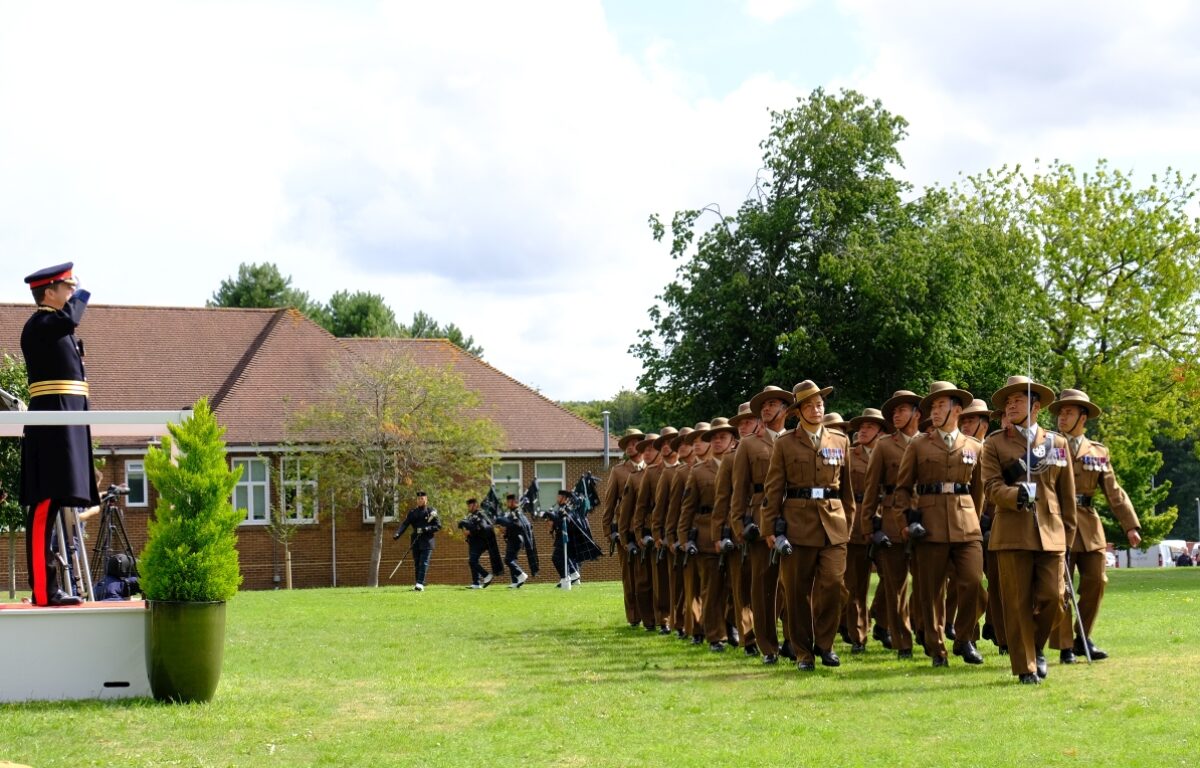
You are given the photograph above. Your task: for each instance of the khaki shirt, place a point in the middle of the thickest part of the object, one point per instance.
(860, 525)
(614, 486)
(796, 463)
(721, 501)
(749, 479)
(1054, 523)
(633, 487)
(698, 499)
(662, 502)
(879, 494)
(678, 486)
(643, 508)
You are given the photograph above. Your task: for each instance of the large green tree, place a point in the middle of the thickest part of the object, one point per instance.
(624, 410)
(263, 285)
(425, 327)
(360, 313)
(12, 516)
(387, 425)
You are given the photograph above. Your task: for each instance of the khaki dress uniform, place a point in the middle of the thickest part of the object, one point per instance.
(858, 564)
(614, 486)
(944, 481)
(736, 567)
(1029, 543)
(643, 606)
(1093, 474)
(809, 488)
(643, 513)
(685, 615)
(879, 500)
(663, 558)
(695, 519)
(748, 485)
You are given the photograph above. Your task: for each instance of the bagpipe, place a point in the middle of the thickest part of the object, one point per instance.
(581, 500)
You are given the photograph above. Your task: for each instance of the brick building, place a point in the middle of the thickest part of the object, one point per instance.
(256, 366)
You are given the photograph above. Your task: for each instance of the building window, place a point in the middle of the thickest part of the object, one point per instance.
(551, 477)
(252, 493)
(135, 478)
(298, 489)
(506, 476)
(368, 517)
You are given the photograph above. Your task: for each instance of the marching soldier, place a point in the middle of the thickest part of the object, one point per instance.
(1093, 472)
(938, 486)
(56, 462)
(751, 461)
(688, 544)
(1027, 474)
(973, 423)
(634, 487)
(808, 493)
(726, 526)
(613, 488)
(699, 499)
(518, 534)
(643, 513)
(658, 524)
(882, 508)
(424, 521)
(683, 616)
(866, 429)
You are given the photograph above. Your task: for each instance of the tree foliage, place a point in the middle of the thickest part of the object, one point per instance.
(262, 285)
(12, 517)
(385, 425)
(191, 549)
(360, 313)
(624, 409)
(425, 327)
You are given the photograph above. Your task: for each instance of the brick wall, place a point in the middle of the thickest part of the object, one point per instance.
(262, 559)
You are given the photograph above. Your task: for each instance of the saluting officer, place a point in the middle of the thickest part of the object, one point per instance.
(939, 486)
(613, 488)
(866, 429)
(809, 493)
(56, 462)
(1093, 472)
(1027, 474)
(882, 508)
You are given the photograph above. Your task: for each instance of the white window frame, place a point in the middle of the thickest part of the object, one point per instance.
(249, 485)
(286, 483)
(141, 469)
(370, 518)
(519, 480)
(562, 478)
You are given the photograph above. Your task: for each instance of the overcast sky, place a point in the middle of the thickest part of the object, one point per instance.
(494, 163)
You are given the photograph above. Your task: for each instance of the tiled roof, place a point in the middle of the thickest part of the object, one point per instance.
(255, 365)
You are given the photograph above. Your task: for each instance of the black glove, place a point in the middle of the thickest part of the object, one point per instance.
(726, 539)
(916, 531)
(691, 548)
(632, 549)
(1022, 496)
(878, 537)
(751, 532)
(782, 546)
(985, 526)
(647, 539)
(613, 535)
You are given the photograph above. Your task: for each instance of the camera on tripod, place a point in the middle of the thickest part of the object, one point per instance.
(112, 555)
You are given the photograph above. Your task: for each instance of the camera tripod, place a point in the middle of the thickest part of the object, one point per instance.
(110, 532)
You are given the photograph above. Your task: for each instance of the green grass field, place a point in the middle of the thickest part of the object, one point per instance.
(499, 677)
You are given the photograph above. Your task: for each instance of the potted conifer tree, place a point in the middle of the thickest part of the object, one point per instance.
(189, 567)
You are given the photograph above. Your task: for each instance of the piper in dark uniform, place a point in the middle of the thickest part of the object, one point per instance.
(56, 461)
(424, 522)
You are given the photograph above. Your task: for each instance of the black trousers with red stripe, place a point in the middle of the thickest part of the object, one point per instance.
(39, 545)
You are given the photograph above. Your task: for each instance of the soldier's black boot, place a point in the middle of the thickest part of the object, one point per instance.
(1066, 656)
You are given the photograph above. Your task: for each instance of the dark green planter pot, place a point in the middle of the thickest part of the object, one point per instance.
(185, 643)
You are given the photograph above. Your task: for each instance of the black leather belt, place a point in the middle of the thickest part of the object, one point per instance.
(887, 489)
(952, 488)
(1082, 500)
(758, 487)
(811, 493)
(704, 510)
(858, 497)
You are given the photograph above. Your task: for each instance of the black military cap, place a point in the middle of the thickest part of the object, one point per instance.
(472, 501)
(511, 497)
(564, 492)
(422, 493)
(59, 273)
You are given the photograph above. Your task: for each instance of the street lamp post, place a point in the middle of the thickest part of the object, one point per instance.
(606, 454)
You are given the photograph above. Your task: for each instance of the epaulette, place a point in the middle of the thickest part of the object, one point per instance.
(997, 432)
(972, 437)
(1102, 445)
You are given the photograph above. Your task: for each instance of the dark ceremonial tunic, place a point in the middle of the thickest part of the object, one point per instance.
(56, 462)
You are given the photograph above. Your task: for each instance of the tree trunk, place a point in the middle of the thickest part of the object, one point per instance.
(376, 550)
(287, 565)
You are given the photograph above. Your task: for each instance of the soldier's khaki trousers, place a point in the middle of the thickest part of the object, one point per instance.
(764, 589)
(812, 584)
(675, 576)
(1032, 585)
(662, 588)
(1090, 592)
(737, 573)
(934, 561)
(643, 585)
(627, 583)
(714, 594)
(857, 580)
(691, 598)
(994, 612)
(893, 576)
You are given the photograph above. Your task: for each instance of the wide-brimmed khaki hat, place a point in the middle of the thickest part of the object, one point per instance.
(834, 420)
(678, 440)
(807, 389)
(744, 414)
(1022, 384)
(630, 436)
(770, 392)
(717, 426)
(873, 416)
(647, 441)
(665, 436)
(697, 431)
(898, 398)
(977, 407)
(944, 389)
(1075, 397)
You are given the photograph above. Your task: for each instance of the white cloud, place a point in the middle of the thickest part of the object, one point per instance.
(773, 10)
